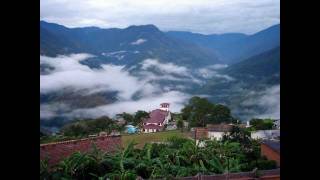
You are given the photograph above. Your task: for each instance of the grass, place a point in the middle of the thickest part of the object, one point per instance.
(143, 138)
(56, 138)
(140, 139)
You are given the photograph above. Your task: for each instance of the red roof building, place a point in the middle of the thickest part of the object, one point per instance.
(271, 150)
(157, 119)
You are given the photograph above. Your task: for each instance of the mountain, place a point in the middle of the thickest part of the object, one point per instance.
(234, 47)
(259, 66)
(122, 46)
(251, 79)
(157, 63)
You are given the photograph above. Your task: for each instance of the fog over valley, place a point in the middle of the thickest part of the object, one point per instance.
(113, 89)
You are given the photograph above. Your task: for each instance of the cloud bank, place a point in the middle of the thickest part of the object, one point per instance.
(202, 16)
(268, 100)
(68, 74)
(177, 100)
(139, 41)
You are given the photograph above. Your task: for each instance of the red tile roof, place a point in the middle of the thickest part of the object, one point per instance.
(157, 116)
(219, 127)
(59, 150)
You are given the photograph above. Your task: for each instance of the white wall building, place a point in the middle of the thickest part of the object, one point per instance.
(217, 131)
(265, 134)
(217, 135)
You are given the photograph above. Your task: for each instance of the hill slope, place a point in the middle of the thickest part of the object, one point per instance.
(234, 47)
(253, 79)
(122, 46)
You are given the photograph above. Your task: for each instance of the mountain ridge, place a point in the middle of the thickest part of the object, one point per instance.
(146, 40)
(234, 47)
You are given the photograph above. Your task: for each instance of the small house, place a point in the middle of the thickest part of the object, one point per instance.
(130, 129)
(217, 131)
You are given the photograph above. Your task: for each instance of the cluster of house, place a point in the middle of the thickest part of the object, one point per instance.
(158, 120)
(270, 139)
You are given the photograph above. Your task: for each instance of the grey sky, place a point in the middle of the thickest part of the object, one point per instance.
(203, 16)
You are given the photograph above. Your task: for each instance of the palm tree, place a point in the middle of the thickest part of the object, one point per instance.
(75, 165)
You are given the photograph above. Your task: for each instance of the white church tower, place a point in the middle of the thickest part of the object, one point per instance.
(164, 106)
(248, 124)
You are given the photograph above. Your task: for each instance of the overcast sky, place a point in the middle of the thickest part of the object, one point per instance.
(203, 16)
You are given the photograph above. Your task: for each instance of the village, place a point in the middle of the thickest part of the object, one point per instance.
(159, 125)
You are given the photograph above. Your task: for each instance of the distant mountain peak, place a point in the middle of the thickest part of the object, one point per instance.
(149, 27)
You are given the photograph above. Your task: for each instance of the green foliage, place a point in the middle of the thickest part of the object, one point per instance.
(139, 116)
(136, 118)
(126, 116)
(199, 111)
(85, 127)
(178, 157)
(262, 124)
(44, 169)
(180, 124)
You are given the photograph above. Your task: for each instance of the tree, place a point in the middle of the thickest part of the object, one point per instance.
(88, 126)
(180, 124)
(199, 112)
(220, 114)
(126, 116)
(139, 116)
(262, 124)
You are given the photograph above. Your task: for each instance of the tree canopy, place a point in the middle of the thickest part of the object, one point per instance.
(199, 111)
(261, 124)
(89, 126)
(136, 118)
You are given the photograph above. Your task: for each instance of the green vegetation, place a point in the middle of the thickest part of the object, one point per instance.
(82, 128)
(261, 124)
(136, 118)
(199, 112)
(180, 124)
(142, 139)
(166, 154)
(178, 157)
(55, 138)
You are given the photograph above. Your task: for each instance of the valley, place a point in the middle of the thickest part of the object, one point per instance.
(91, 72)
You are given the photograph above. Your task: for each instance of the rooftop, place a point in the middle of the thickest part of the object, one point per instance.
(219, 127)
(157, 116)
(275, 145)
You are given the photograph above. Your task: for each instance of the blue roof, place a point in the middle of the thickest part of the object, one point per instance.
(131, 129)
(275, 145)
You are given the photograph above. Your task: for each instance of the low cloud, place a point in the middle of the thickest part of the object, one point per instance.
(268, 100)
(139, 41)
(137, 88)
(168, 68)
(48, 111)
(70, 73)
(176, 99)
(67, 73)
(213, 72)
(169, 71)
